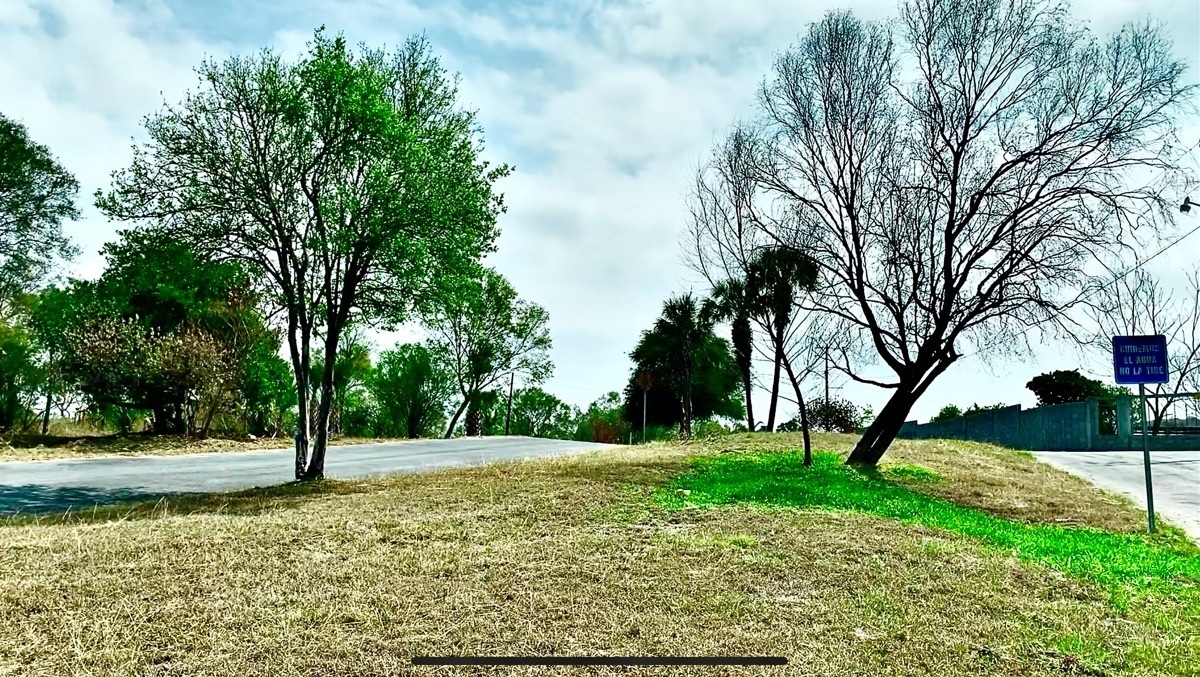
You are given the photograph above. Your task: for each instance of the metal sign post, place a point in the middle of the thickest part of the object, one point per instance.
(1142, 360)
(645, 381)
(1146, 459)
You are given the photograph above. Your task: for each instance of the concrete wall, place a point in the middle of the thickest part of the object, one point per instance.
(1074, 426)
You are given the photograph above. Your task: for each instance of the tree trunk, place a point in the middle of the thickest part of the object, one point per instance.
(775, 384)
(1158, 410)
(683, 430)
(803, 411)
(474, 427)
(46, 414)
(454, 419)
(883, 430)
(298, 346)
(742, 347)
(316, 461)
(688, 411)
(208, 417)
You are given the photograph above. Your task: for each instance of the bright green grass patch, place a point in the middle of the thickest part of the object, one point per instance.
(911, 473)
(1121, 562)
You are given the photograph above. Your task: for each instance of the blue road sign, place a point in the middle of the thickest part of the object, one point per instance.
(1140, 359)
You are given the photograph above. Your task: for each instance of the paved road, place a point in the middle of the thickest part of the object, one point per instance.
(49, 486)
(1176, 476)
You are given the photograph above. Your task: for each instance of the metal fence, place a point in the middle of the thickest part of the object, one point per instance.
(1169, 414)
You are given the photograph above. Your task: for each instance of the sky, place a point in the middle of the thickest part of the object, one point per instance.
(605, 109)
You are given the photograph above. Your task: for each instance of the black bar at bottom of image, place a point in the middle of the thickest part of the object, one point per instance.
(599, 660)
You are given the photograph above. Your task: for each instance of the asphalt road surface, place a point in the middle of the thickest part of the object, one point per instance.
(55, 486)
(1176, 477)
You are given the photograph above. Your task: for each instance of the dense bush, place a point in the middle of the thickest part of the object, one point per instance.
(834, 415)
(976, 409)
(361, 415)
(537, 413)
(603, 421)
(709, 428)
(946, 413)
(692, 368)
(951, 411)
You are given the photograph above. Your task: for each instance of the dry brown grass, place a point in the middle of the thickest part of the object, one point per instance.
(41, 448)
(560, 556)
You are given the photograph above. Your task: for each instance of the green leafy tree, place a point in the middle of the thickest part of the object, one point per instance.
(682, 333)
(537, 413)
(360, 414)
(349, 183)
(487, 336)
(696, 376)
(412, 390)
(54, 310)
(604, 421)
(173, 290)
(111, 362)
(733, 301)
(1065, 385)
(266, 390)
(351, 371)
(775, 277)
(20, 377)
(174, 296)
(36, 195)
(117, 364)
(1068, 385)
(485, 414)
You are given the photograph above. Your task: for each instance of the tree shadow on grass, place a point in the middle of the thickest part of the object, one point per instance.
(39, 504)
(46, 505)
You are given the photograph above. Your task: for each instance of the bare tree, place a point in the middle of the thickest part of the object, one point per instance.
(728, 244)
(1138, 303)
(722, 240)
(955, 183)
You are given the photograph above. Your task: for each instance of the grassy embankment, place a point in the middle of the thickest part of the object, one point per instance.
(67, 440)
(954, 559)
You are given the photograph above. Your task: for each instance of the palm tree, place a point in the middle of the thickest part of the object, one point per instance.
(730, 300)
(683, 329)
(350, 370)
(774, 277)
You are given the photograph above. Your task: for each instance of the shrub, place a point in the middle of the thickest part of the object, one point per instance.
(361, 415)
(834, 415)
(976, 409)
(946, 413)
(709, 428)
(792, 426)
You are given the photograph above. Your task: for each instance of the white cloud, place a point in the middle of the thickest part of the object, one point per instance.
(604, 107)
(80, 74)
